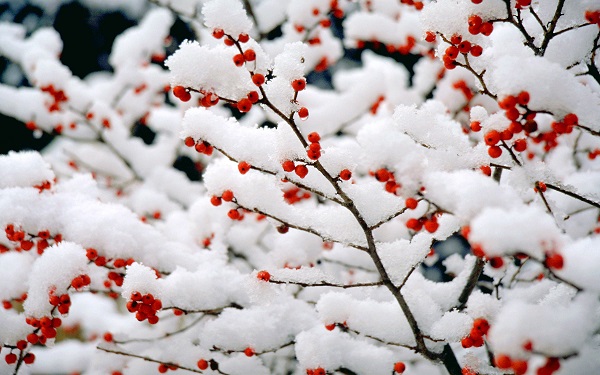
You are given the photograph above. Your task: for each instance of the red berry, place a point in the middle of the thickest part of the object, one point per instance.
(301, 170)
(253, 96)
(523, 98)
(249, 352)
(299, 84)
(414, 224)
(29, 358)
(202, 364)
(21, 345)
(430, 37)
(555, 261)
(383, 175)
(108, 337)
(181, 93)
(330, 327)
(48, 332)
(571, 119)
(519, 367)
(314, 137)
(494, 152)
(475, 20)
(189, 142)
(411, 203)
(464, 46)
(481, 326)
(218, 33)
(258, 79)
(520, 145)
(313, 154)
(288, 166)
(26, 245)
(228, 41)
(492, 137)
(263, 275)
(503, 361)
(249, 55)
(487, 28)
(215, 201)
(243, 38)
(244, 105)
(162, 368)
(238, 59)
(486, 170)
(496, 262)
(10, 358)
(32, 338)
(345, 174)
(243, 167)
(452, 52)
(399, 367)
(303, 112)
(466, 342)
(475, 126)
(431, 226)
(476, 50)
(227, 195)
(234, 214)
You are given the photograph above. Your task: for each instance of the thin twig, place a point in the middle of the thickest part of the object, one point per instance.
(325, 283)
(179, 367)
(573, 195)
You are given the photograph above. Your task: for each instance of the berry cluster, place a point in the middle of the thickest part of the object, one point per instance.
(62, 302)
(26, 241)
(301, 170)
(417, 4)
(45, 329)
(314, 148)
(459, 46)
(477, 26)
(201, 147)
(164, 367)
(316, 371)
(504, 362)
(9, 305)
(475, 337)
(80, 281)
(58, 97)
(388, 178)
(430, 223)
(182, 93)
(226, 196)
(144, 306)
(11, 357)
(294, 195)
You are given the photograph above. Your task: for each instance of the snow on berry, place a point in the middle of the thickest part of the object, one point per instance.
(227, 15)
(69, 261)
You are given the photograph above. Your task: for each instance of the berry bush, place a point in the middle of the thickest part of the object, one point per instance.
(323, 191)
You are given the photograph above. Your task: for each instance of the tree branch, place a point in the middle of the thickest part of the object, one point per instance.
(325, 283)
